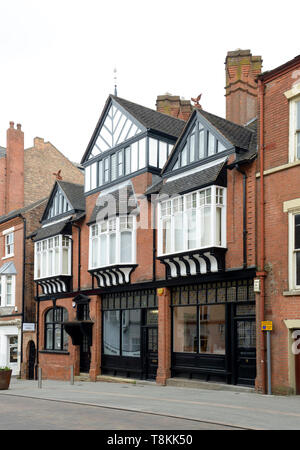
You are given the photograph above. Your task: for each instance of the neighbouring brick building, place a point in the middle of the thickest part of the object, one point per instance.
(26, 179)
(278, 219)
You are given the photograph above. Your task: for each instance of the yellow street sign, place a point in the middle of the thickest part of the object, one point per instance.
(267, 325)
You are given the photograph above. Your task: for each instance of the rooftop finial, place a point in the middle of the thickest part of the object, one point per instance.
(58, 175)
(115, 81)
(196, 101)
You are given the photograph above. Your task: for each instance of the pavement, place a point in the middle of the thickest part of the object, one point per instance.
(209, 402)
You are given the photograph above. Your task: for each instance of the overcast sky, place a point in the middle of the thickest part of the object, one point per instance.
(57, 57)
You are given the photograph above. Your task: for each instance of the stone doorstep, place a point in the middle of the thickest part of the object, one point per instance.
(198, 384)
(175, 382)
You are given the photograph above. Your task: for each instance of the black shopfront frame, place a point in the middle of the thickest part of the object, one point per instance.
(141, 367)
(238, 364)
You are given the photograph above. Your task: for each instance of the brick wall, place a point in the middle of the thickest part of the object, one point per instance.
(241, 87)
(41, 162)
(279, 186)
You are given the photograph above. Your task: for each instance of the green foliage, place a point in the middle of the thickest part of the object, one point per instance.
(5, 368)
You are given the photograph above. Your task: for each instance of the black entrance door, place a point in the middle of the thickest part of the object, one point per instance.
(85, 355)
(31, 360)
(245, 370)
(150, 343)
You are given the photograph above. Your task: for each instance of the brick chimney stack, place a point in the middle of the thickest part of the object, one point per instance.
(241, 88)
(14, 190)
(39, 143)
(174, 106)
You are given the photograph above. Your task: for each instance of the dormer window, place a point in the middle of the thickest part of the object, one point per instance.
(199, 144)
(60, 205)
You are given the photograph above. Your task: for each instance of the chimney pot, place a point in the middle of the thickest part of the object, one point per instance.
(11, 124)
(19, 126)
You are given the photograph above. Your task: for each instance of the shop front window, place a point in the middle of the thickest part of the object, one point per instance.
(185, 329)
(121, 332)
(212, 329)
(13, 349)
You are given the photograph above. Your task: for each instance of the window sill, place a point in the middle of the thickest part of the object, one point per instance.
(8, 256)
(57, 352)
(291, 293)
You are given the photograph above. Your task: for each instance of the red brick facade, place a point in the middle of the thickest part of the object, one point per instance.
(26, 179)
(281, 186)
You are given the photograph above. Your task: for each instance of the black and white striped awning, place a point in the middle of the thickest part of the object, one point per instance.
(53, 285)
(113, 275)
(197, 262)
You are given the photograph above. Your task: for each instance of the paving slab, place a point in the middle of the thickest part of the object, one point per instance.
(239, 408)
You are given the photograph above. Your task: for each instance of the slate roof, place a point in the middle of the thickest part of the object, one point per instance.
(155, 187)
(240, 136)
(149, 118)
(196, 180)
(2, 152)
(119, 201)
(152, 119)
(74, 193)
(64, 226)
(243, 138)
(16, 212)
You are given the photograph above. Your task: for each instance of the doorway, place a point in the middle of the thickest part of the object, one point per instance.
(85, 355)
(245, 350)
(150, 343)
(31, 360)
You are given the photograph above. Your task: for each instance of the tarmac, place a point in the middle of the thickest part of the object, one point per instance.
(206, 402)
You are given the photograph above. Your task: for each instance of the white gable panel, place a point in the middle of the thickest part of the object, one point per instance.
(116, 128)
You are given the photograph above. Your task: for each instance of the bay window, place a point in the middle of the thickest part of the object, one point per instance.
(112, 242)
(52, 257)
(193, 221)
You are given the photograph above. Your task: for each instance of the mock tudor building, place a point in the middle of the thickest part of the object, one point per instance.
(161, 280)
(26, 179)
(157, 257)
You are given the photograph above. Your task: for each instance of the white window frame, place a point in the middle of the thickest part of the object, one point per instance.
(3, 290)
(292, 207)
(49, 253)
(106, 228)
(9, 246)
(292, 252)
(200, 205)
(293, 95)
